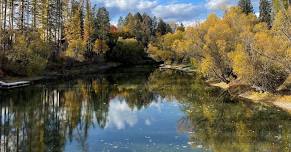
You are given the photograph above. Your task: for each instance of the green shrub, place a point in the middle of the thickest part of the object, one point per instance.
(29, 55)
(127, 51)
(76, 49)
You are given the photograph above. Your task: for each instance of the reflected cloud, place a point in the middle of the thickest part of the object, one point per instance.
(156, 105)
(148, 122)
(121, 115)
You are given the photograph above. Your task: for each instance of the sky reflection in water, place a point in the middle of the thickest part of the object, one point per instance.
(152, 128)
(138, 110)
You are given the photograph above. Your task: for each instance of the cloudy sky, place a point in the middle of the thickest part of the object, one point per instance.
(187, 11)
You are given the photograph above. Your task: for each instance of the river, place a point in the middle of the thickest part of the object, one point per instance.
(139, 109)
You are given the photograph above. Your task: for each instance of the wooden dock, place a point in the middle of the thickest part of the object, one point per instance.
(184, 68)
(4, 85)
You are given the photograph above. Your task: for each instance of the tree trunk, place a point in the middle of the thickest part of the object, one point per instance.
(22, 16)
(11, 24)
(4, 34)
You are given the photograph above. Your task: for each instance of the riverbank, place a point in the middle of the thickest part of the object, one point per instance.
(65, 73)
(281, 99)
(68, 73)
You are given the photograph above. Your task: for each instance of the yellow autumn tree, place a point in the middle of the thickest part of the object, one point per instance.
(29, 56)
(282, 31)
(242, 64)
(76, 49)
(100, 47)
(165, 48)
(234, 46)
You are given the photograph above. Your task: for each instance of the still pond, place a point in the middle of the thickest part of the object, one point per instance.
(138, 109)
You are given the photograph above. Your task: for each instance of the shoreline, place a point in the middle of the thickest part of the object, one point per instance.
(64, 74)
(278, 100)
(281, 101)
(55, 75)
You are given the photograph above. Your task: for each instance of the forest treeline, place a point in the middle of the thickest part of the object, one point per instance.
(35, 34)
(52, 34)
(236, 47)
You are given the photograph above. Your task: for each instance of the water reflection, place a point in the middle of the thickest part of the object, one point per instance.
(120, 114)
(137, 110)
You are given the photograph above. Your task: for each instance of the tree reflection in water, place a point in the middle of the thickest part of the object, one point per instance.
(46, 117)
(221, 124)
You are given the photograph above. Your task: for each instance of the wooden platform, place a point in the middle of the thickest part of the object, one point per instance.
(184, 68)
(4, 85)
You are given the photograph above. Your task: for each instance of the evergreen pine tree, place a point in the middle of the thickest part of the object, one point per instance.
(265, 12)
(73, 25)
(129, 24)
(181, 27)
(138, 27)
(120, 23)
(147, 29)
(102, 23)
(161, 27)
(246, 6)
(89, 26)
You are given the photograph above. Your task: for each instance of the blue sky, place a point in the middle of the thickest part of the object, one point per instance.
(186, 11)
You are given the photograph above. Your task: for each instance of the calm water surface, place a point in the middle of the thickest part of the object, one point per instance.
(138, 110)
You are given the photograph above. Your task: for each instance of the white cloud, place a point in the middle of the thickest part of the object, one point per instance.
(129, 5)
(172, 10)
(142, 5)
(223, 4)
(192, 23)
(218, 4)
(176, 11)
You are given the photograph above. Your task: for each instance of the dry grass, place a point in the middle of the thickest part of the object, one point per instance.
(256, 96)
(286, 85)
(281, 101)
(221, 85)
